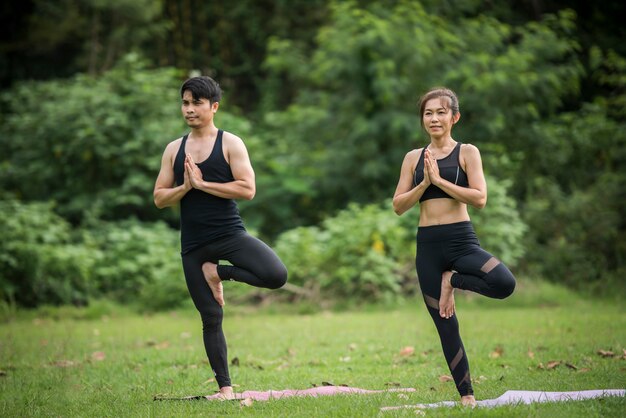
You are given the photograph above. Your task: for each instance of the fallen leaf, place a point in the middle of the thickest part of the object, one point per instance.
(345, 359)
(98, 355)
(170, 382)
(407, 351)
(163, 345)
(246, 402)
(446, 378)
(540, 366)
(426, 353)
(283, 366)
(479, 379)
(552, 364)
(530, 353)
(235, 361)
(571, 366)
(605, 353)
(352, 347)
(64, 363)
(497, 352)
(396, 384)
(403, 396)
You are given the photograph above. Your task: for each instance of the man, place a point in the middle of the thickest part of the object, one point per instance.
(206, 170)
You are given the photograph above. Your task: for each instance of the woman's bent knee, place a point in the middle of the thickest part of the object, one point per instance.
(507, 286)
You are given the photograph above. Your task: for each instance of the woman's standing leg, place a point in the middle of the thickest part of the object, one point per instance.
(431, 263)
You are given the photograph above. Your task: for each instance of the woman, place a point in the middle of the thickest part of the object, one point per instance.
(445, 177)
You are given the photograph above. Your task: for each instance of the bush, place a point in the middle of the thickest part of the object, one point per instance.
(362, 252)
(40, 261)
(138, 263)
(581, 242)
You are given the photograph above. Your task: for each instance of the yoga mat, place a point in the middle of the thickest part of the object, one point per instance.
(514, 397)
(278, 394)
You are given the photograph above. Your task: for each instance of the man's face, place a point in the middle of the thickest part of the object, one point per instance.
(197, 113)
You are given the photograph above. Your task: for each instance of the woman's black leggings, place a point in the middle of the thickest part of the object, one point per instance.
(253, 262)
(455, 247)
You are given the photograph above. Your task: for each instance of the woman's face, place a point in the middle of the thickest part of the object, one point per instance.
(437, 117)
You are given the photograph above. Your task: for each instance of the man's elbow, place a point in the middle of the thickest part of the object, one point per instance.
(250, 193)
(159, 202)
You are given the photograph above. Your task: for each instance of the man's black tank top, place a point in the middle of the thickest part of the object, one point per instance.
(205, 217)
(449, 169)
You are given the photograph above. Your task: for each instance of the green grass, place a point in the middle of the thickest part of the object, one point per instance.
(52, 365)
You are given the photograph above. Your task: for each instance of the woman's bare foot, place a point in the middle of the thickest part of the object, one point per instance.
(446, 300)
(226, 393)
(468, 400)
(214, 281)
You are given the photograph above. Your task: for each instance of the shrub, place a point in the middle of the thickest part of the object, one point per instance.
(138, 263)
(40, 262)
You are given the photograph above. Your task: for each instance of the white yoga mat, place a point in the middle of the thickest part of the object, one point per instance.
(513, 397)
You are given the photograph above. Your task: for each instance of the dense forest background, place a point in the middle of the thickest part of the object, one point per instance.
(324, 94)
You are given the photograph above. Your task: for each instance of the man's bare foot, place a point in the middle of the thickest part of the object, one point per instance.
(468, 400)
(214, 281)
(226, 393)
(446, 300)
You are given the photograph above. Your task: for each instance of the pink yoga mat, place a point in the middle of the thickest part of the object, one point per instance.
(278, 394)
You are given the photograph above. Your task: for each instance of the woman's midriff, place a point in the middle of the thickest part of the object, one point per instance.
(442, 211)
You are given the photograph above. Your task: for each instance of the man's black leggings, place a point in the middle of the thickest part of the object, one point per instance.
(455, 247)
(253, 262)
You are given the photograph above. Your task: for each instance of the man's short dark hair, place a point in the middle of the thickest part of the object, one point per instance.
(202, 87)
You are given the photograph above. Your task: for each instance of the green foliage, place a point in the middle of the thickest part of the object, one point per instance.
(499, 225)
(138, 264)
(581, 242)
(354, 116)
(90, 144)
(362, 252)
(40, 261)
(44, 262)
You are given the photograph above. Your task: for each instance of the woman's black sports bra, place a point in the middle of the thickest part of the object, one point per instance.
(449, 169)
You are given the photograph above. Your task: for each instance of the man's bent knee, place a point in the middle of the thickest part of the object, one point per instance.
(277, 278)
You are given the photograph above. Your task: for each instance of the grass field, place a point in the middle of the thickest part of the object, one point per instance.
(70, 362)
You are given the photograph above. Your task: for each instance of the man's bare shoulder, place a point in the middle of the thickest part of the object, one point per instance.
(231, 139)
(173, 145)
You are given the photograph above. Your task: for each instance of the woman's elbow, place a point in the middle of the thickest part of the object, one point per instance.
(397, 209)
(481, 202)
